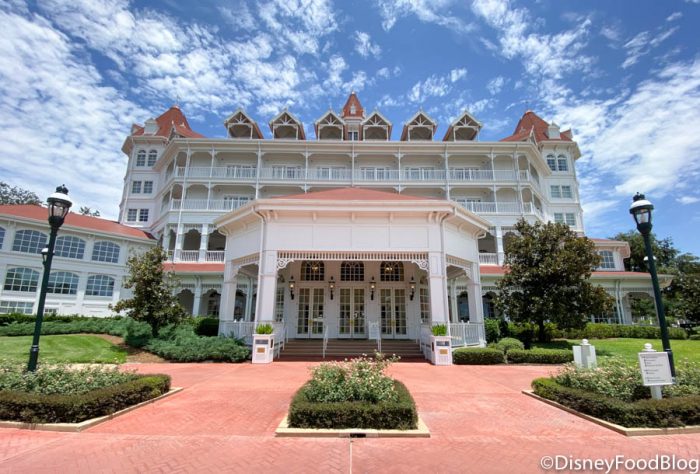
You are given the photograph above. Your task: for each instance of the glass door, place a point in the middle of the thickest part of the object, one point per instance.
(392, 303)
(310, 321)
(352, 313)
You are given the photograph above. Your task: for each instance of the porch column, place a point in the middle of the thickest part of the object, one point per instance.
(476, 302)
(197, 297)
(179, 237)
(267, 284)
(453, 301)
(228, 295)
(166, 238)
(204, 243)
(500, 253)
(248, 310)
(438, 288)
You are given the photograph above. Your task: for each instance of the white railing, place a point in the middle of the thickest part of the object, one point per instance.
(282, 174)
(214, 256)
(488, 258)
(423, 175)
(183, 255)
(238, 329)
(279, 333)
(208, 204)
(376, 175)
(424, 337)
(467, 334)
(329, 174)
(374, 330)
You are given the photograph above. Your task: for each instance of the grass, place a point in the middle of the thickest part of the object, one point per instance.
(628, 348)
(73, 348)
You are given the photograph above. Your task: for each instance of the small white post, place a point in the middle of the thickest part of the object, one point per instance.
(655, 389)
(584, 355)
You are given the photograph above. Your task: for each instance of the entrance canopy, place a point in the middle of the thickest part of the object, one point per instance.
(349, 224)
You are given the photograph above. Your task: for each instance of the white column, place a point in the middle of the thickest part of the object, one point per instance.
(228, 296)
(499, 245)
(203, 242)
(476, 302)
(197, 297)
(438, 288)
(267, 285)
(179, 238)
(453, 301)
(166, 238)
(248, 300)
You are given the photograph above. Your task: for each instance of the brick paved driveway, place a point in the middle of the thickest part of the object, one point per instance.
(224, 421)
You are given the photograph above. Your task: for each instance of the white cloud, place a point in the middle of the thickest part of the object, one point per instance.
(364, 45)
(433, 86)
(384, 73)
(495, 85)
(642, 43)
(688, 199)
(457, 74)
(299, 23)
(674, 16)
(611, 32)
(336, 65)
(427, 11)
(238, 16)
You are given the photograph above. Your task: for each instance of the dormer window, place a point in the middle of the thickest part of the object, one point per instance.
(152, 157)
(562, 164)
(353, 109)
(353, 136)
(141, 158)
(607, 259)
(552, 162)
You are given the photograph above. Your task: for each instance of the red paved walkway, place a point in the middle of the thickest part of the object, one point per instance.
(224, 421)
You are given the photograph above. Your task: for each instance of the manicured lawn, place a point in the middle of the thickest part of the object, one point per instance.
(72, 348)
(628, 348)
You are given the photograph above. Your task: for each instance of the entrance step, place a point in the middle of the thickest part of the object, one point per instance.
(312, 349)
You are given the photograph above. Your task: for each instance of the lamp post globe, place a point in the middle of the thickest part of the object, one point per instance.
(59, 205)
(641, 210)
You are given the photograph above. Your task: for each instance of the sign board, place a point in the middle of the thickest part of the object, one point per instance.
(374, 331)
(656, 369)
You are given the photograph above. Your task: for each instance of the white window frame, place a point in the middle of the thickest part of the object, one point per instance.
(136, 187)
(132, 214)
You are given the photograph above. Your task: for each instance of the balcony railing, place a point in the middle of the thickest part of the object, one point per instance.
(216, 256)
(488, 258)
(208, 204)
(500, 207)
(196, 256)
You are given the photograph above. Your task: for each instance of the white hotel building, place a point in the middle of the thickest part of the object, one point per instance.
(332, 234)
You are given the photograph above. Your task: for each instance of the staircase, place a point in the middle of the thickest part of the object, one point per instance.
(338, 349)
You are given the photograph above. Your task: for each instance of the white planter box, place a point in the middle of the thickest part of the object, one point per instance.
(441, 350)
(263, 348)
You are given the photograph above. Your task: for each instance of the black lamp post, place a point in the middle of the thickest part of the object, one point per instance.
(641, 211)
(59, 206)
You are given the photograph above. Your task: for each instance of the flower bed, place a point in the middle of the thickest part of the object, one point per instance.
(354, 394)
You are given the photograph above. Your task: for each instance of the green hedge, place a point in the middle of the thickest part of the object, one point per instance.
(477, 356)
(492, 327)
(10, 318)
(182, 345)
(604, 331)
(539, 356)
(648, 413)
(72, 325)
(399, 415)
(206, 326)
(37, 408)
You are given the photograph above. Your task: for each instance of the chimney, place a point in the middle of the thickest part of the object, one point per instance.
(553, 131)
(150, 127)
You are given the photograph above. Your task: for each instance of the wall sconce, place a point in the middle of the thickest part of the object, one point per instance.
(372, 286)
(291, 287)
(412, 285)
(331, 286)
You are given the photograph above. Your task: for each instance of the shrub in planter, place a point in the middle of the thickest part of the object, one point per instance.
(508, 343)
(477, 356)
(439, 330)
(539, 356)
(264, 329)
(206, 326)
(60, 378)
(74, 408)
(492, 327)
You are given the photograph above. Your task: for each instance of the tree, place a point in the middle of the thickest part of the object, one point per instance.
(663, 250)
(14, 195)
(153, 299)
(86, 211)
(684, 293)
(547, 277)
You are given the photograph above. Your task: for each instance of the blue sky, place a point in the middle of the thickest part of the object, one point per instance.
(625, 75)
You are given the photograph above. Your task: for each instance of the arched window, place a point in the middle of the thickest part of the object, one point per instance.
(391, 271)
(141, 158)
(152, 157)
(29, 241)
(352, 271)
(562, 163)
(21, 279)
(552, 162)
(70, 247)
(63, 283)
(99, 285)
(312, 271)
(105, 252)
(2, 236)
(607, 260)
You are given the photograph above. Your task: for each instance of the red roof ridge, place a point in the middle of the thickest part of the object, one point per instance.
(533, 122)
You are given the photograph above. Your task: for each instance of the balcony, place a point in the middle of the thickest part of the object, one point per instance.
(500, 207)
(488, 258)
(195, 256)
(223, 205)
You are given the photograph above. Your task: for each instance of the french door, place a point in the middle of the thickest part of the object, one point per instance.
(310, 322)
(351, 323)
(392, 308)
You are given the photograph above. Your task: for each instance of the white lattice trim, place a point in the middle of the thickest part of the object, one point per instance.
(415, 257)
(247, 260)
(460, 263)
(211, 286)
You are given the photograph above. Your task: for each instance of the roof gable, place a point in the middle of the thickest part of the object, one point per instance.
(349, 111)
(531, 122)
(286, 120)
(171, 119)
(241, 121)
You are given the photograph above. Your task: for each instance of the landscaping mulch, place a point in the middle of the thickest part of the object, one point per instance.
(134, 354)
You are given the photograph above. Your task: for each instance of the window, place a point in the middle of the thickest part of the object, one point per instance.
(21, 279)
(152, 157)
(287, 172)
(551, 162)
(131, 215)
(147, 187)
(566, 192)
(105, 252)
(555, 191)
(136, 187)
(354, 136)
(562, 164)
(234, 202)
(63, 283)
(570, 219)
(559, 217)
(353, 109)
(2, 236)
(352, 271)
(22, 307)
(424, 305)
(312, 271)
(29, 241)
(70, 247)
(99, 285)
(279, 303)
(141, 158)
(374, 173)
(607, 261)
(143, 215)
(391, 271)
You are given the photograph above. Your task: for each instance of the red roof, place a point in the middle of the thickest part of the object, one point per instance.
(353, 100)
(194, 267)
(39, 214)
(530, 121)
(497, 270)
(171, 118)
(354, 194)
